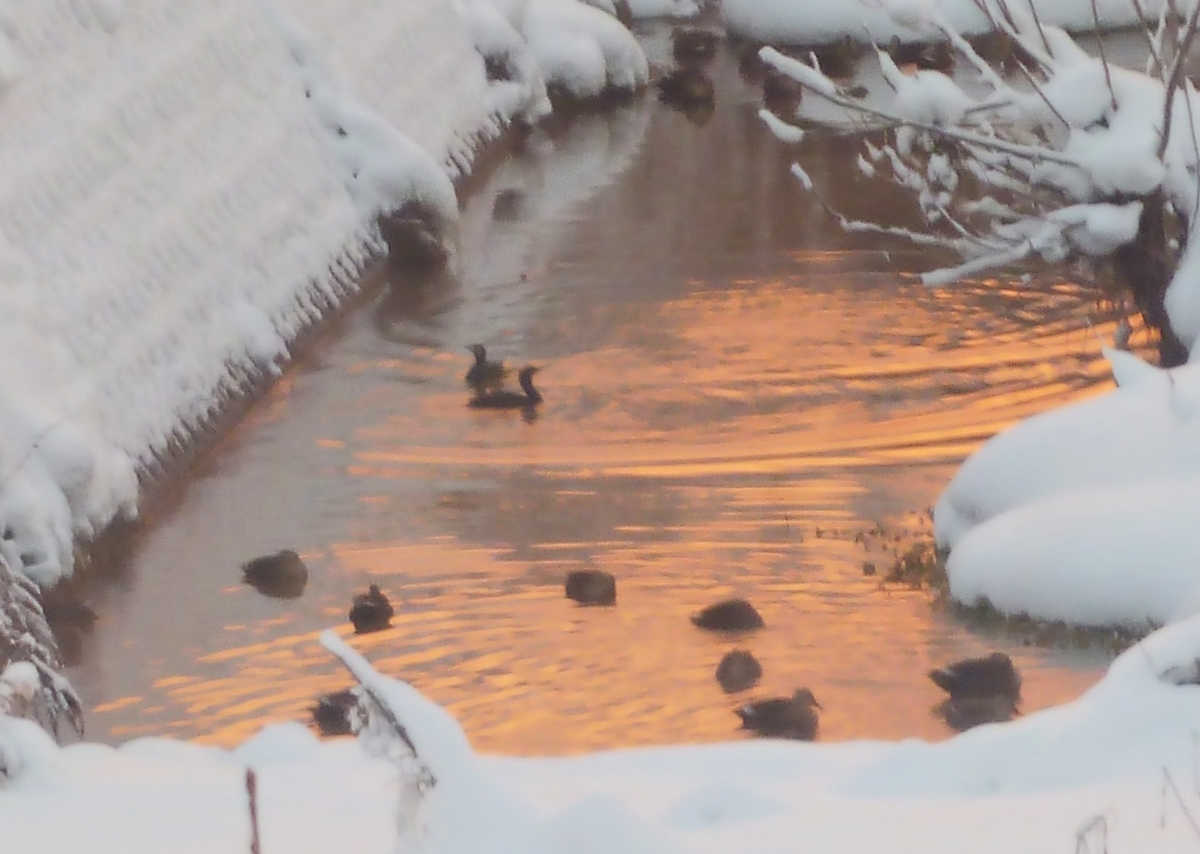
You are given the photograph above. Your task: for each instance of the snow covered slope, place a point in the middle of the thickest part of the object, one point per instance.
(175, 207)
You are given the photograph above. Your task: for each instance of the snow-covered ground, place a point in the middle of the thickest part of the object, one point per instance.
(810, 22)
(1117, 763)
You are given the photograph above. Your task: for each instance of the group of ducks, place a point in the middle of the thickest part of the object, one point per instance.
(284, 575)
(979, 690)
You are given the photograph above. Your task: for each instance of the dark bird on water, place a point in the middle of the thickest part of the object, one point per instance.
(333, 712)
(962, 713)
(729, 616)
(371, 611)
(282, 575)
(738, 671)
(485, 373)
(991, 676)
(691, 44)
(592, 587)
(527, 398)
(686, 88)
(782, 717)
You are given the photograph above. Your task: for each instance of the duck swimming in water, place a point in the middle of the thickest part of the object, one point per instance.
(371, 611)
(282, 575)
(527, 398)
(333, 713)
(731, 615)
(738, 671)
(991, 676)
(782, 717)
(484, 374)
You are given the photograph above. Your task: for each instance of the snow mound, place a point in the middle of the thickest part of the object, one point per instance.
(582, 52)
(1083, 513)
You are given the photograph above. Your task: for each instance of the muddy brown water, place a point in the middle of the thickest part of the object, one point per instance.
(738, 395)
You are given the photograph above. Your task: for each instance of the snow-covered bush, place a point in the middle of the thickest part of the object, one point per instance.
(30, 683)
(1064, 158)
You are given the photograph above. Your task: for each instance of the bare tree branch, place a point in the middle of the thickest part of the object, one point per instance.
(1112, 95)
(775, 59)
(1176, 75)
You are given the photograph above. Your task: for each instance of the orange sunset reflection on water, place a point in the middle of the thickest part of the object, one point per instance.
(754, 404)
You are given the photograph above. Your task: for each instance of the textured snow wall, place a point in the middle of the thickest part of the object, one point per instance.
(172, 214)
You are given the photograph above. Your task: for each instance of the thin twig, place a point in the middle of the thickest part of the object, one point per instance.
(1112, 95)
(1099, 822)
(964, 47)
(1169, 783)
(919, 238)
(937, 278)
(336, 646)
(950, 133)
(1176, 75)
(1003, 4)
(1187, 99)
(1142, 16)
(252, 792)
(1195, 763)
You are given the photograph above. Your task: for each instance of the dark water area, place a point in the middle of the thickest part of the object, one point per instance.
(741, 399)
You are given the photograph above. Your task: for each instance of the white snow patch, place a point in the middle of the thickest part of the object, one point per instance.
(783, 131)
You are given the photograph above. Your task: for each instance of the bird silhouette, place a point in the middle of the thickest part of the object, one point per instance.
(484, 373)
(371, 611)
(991, 676)
(528, 398)
(782, 717)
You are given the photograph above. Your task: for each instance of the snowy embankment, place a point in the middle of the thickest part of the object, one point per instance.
(811, 22)
(1110, 767)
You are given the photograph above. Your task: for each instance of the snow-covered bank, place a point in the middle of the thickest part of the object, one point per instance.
(175, 210)
(810, 22)
(1029, 786)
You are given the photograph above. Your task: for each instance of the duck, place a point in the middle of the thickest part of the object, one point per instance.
(782, 717)
(686, 88)
(732, 615)
(738, 671)
(690, 44)
(332, 713)
(484, 373)
(592, 587)
(527, 398)
(371, 611)
(963, 713)
(991, 676)
(282, 575)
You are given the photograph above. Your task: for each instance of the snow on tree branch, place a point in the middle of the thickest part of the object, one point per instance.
(1052, 163)
(31, 683)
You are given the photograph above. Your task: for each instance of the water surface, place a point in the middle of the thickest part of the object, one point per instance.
(740, 400)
